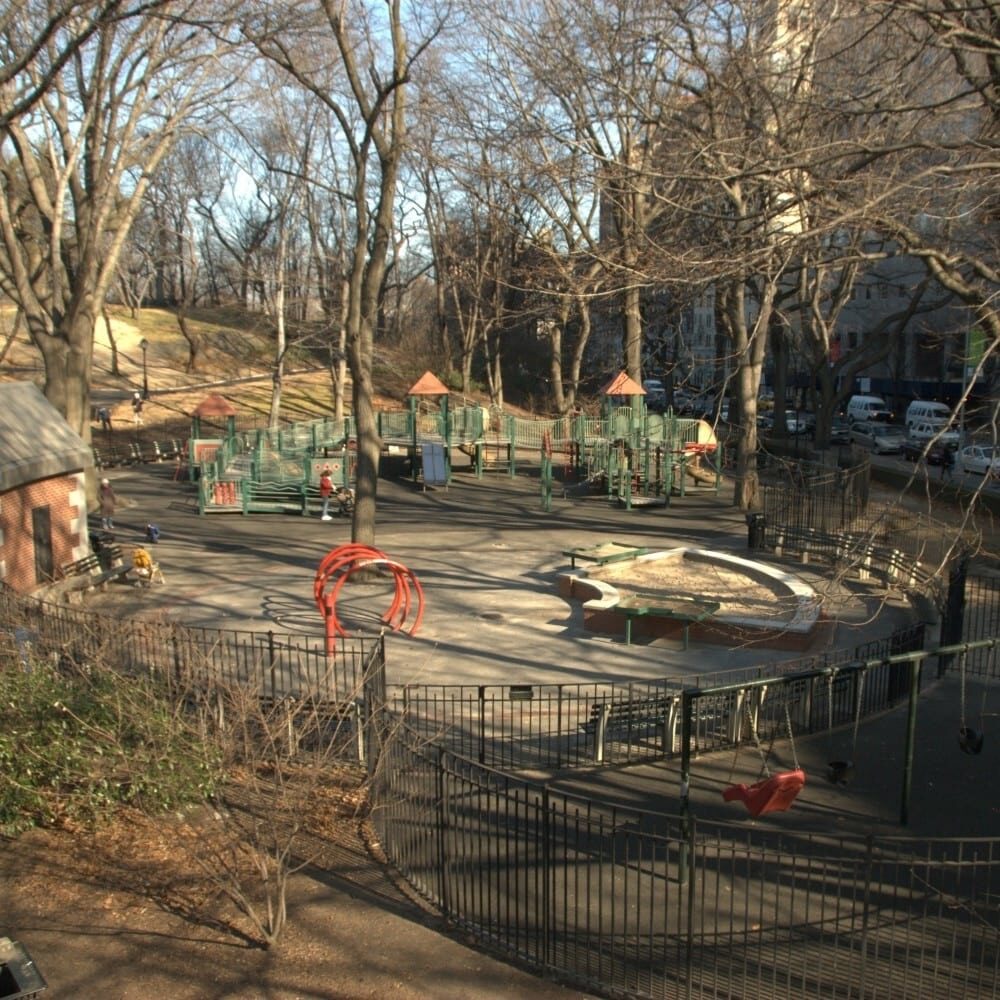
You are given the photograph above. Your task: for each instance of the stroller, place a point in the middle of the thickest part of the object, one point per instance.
(344, 496)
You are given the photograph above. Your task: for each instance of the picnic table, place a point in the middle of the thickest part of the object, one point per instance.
(605, 552)
(688, 610)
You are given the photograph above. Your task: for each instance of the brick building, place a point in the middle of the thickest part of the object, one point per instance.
(43, 496)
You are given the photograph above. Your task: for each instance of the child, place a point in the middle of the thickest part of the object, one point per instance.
(325, 490)
(144, 567)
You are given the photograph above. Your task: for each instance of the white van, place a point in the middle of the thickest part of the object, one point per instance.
(923, 431)
(922, 412)
(871, 408)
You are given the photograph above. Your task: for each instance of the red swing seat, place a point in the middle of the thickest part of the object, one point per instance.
(774, 794)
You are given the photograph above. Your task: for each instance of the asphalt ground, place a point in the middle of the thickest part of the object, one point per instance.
(487, 557)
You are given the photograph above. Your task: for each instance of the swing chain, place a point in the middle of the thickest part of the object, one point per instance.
(752, 716)
(791, 736)
(857, 712)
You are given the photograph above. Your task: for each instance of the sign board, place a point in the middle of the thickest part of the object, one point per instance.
(433, 464)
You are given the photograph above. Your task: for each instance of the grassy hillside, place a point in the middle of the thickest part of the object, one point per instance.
(236, 345)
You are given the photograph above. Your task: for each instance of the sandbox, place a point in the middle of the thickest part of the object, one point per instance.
(748, 602)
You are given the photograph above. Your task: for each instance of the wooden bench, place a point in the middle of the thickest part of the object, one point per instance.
(605, 552)
(687, 610)
(89, 573)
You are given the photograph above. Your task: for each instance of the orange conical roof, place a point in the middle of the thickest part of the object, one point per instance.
(622, 385)
(428, 385)
(215, 406)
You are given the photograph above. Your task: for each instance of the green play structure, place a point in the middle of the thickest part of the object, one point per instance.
(627, 453)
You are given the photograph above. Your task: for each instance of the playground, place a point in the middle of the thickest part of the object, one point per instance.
(490, 563)
(488, 559)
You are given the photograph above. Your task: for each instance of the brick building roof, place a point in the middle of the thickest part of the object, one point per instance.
(35, 440)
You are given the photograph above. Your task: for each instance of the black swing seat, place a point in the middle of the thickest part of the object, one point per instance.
(970, 740)
(840, 772)
(773, 794)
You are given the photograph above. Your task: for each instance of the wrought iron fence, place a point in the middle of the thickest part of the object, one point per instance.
(277, 665)
(981, 614)
(565, 725)
(647, 905)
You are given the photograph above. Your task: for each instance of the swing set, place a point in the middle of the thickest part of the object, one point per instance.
(777, 791)
(771, 792)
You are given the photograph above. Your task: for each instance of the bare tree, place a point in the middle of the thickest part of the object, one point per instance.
(74, 173)
(368, 101)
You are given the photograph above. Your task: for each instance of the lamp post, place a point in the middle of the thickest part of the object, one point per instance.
(144, 346)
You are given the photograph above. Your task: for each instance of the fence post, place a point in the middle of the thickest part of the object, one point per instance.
(687, 704)
(441, 827)
(688, 847)
(270, 655)
(952, 626)
(547, 877)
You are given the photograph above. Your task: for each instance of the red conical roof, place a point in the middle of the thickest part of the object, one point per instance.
(215, 406)
(622, 385)
(428, 385)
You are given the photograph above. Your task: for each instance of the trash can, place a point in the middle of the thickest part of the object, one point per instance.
(19, 977)
(755, 531)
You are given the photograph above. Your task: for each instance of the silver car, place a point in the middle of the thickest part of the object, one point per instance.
(980, 458)
(883, 439)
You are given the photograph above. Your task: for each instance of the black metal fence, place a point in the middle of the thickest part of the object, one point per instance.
(278, 665)
(981, 614)
(519, 726)
(644, 905)
(826, 515)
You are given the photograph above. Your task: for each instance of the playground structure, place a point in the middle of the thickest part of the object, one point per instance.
(627, 453)
(337, 567)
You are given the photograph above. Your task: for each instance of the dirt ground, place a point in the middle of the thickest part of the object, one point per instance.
(126, 914)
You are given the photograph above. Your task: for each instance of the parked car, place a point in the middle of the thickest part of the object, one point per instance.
(883, 439)
(840, 431)
(921, 411)
(797, 423)
(793, 424)
(933, 453)
(979, 458)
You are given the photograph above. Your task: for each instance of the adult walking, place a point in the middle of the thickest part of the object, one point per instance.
(948, 465)
(107, 500)
(137, 408)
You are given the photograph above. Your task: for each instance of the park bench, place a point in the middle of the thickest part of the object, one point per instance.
(605, 552)
(89, 573)
(631, 719)
(686, 610)
(856, 550)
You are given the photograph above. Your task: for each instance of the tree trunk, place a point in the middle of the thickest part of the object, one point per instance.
(369, 447)
(632, 319)
(68, 355)
(191, 337)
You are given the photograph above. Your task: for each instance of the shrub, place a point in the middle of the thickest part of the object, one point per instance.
(74, 744)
